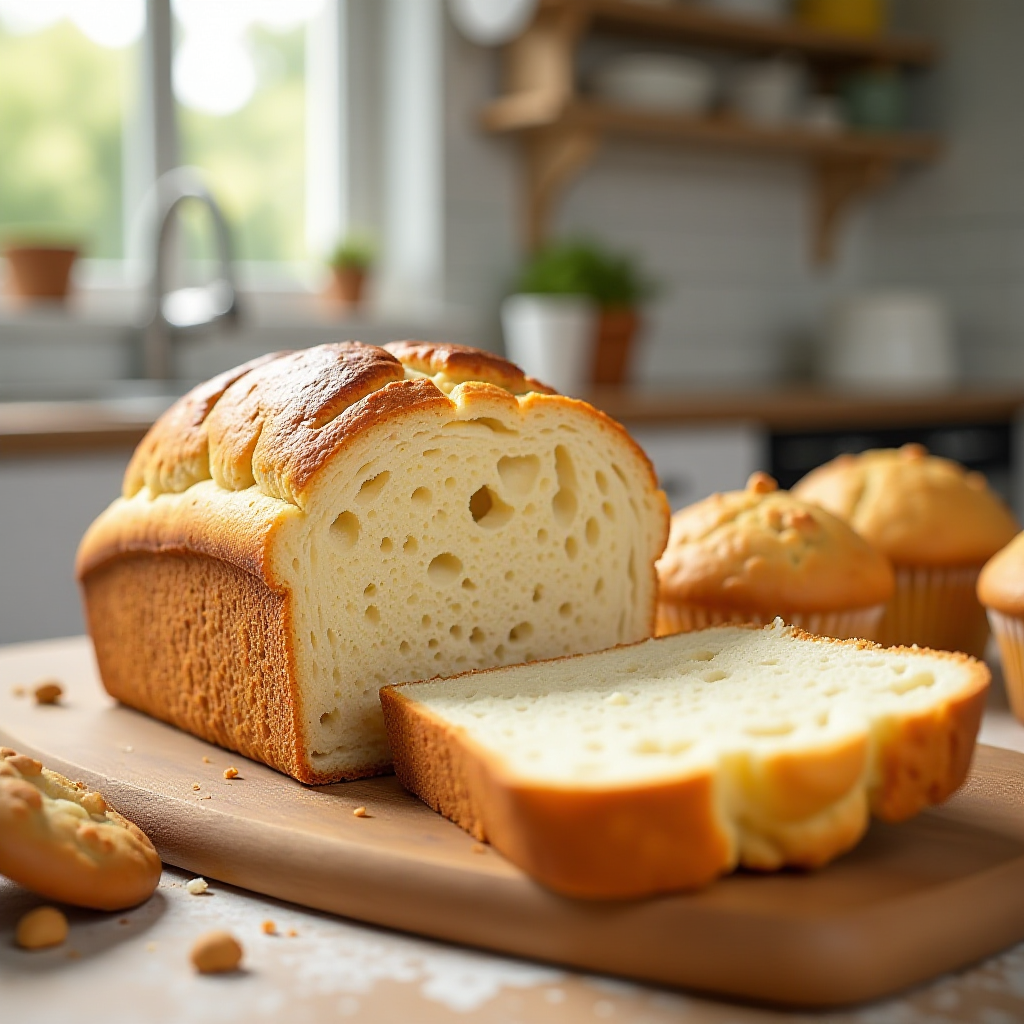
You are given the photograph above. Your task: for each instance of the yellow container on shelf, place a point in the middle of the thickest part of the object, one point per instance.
(844, 17)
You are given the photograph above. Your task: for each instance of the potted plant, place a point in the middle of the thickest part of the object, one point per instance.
(39, 263)
(350, 264)
(573, 317)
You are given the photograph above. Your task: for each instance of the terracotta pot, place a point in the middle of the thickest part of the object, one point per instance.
(616, 330)
(39, 271)
(347, 285)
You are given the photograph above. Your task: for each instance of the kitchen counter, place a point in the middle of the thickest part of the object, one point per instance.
(131, 967)
(29, 428)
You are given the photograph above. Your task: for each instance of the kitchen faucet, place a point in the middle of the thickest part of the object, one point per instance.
(192, 308)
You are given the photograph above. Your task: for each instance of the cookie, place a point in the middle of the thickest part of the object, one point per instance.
(65, 843)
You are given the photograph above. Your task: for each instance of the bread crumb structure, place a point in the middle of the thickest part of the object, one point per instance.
(230, 773)
(42, 928)
(64, 842)
(48, 692)
(661, 765)
(307, 528)
(197, 886)
(216, 952)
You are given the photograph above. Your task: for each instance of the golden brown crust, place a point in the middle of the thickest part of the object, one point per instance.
(801, 810)
(175, 453)
(202, 644)
(89, 858)
(915, 508)
(457, 364)
(1001, 583)
(761, 548)
(600, 844)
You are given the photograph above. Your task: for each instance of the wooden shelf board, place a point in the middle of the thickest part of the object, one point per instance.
(516, 113)
(694, 24)
(808, 408)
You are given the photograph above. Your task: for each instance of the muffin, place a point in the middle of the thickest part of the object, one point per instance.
(1001, 592)
(752, 555)
(936, 522)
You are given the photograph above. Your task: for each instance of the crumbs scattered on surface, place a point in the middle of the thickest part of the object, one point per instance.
(42, 928)
(206, 760)
(195, 786)
(208, 797)
(216, 953)
(361, 812)
(48, 692)
(230, 773)
(291, 933)
(18, 691)
(197, 886)
(479, 848)
(123, 920)
(268, 927)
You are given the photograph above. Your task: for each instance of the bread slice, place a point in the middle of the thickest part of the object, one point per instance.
(663, 764)
(301, 531)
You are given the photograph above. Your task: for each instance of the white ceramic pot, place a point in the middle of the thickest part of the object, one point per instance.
(891, 340)
(657, 81)
(551, 337)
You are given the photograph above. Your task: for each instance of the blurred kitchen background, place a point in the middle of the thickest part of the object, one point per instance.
(760, 232)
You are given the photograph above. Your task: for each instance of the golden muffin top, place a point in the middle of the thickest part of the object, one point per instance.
(914, 507)
(762, 548)
(1001, 583)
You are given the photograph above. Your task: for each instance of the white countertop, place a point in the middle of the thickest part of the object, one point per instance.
(133, 967)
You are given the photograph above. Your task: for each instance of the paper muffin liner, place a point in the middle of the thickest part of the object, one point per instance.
(936, 607)
(676, 617)
(1009, 634)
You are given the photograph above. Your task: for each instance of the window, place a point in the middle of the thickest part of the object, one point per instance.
(67, 74)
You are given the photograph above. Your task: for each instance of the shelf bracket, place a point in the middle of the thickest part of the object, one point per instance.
(554, 157)
(839, 184)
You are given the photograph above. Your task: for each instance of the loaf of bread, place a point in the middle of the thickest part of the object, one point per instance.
(300, 531)
(661, 765)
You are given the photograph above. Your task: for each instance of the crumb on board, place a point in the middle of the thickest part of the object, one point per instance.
(18, 691)
(123, 920)
(42, 928)
(361, 812)
(230, 773)
(208, 796)
(48, 691)
(197, 886)
(216, 953)
(150, 947)
(206, 760)
(268, 927)
(195, 786)
(291, 933)
(479, 848)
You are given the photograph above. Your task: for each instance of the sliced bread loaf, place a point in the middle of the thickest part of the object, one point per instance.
(304, 529)
(663, 764)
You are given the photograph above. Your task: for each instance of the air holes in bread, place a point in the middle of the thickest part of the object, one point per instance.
(488, 510)
(370, 489)
(456, 631)
(329, 718)
(917, 681)
(522, 632)
(444, 569)
(702, 655)
(411, 545)
(345, 529)
(422, 496)
(538, 593)
(571, 547)
(565, 502)
(565, 610)
(714, 675)
(518, 473)
(368, 591)
(602, 482)
(542, 536)
(477, 636)
(593, 531)
(769, 729)
(386, 546)
(609, 511)
(405, 647)
(372, 613)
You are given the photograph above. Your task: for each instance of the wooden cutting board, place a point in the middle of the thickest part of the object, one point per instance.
(912, 901)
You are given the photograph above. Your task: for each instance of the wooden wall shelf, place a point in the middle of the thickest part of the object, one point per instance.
(563, 131)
